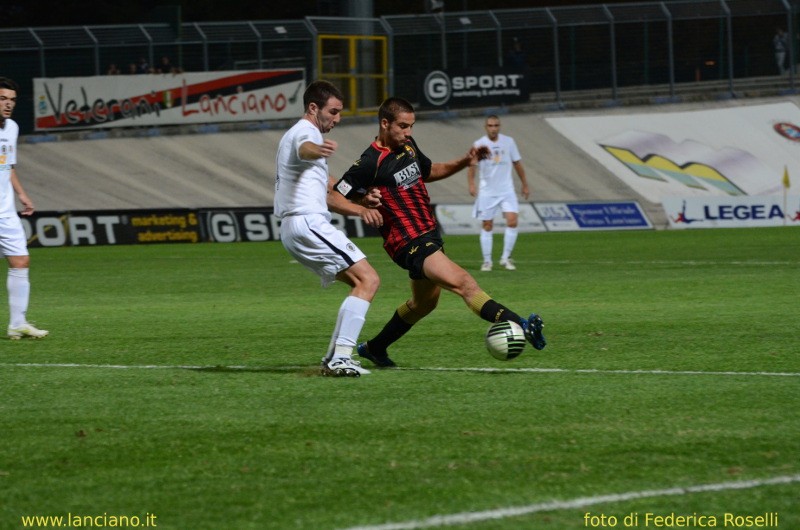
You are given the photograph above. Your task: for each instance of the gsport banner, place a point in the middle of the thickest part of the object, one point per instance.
(66, 103)
(726, 152)
(732, 212)
(474, 87)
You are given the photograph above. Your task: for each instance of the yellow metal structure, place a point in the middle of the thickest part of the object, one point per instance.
(358, 65)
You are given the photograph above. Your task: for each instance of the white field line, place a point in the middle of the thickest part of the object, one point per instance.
(574, 504)
(691, 263)
(242, 368)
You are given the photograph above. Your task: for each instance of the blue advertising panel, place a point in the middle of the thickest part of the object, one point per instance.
(568, 216)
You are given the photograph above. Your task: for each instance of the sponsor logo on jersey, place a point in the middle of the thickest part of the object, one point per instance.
(407, 176)
(343, 188)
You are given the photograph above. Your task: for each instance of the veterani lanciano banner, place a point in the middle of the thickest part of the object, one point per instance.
(66, 103)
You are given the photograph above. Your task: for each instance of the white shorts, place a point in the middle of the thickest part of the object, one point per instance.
(13, 241)
(319, 246)
(486, 207)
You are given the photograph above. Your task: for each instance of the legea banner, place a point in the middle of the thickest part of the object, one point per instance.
(732, 212)
(65, 103)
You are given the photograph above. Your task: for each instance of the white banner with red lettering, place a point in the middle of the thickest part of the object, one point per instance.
(66, 103)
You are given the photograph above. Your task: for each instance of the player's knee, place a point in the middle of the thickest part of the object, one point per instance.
(19, 262)
(488, 226)
(372, 282)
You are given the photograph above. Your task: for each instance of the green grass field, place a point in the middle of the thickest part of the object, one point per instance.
(180, 382)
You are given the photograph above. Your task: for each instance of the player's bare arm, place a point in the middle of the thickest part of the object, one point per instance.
(312, 151)
(441, 170)
(27, 203)
(340, 204)
(471, 180)
(525, 191)
(372, 199)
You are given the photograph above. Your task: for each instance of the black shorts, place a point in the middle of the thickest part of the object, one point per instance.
(413, 255)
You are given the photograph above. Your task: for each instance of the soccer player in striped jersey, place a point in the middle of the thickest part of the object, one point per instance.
(394, 164)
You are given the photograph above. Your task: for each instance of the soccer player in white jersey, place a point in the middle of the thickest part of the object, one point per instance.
(303, 197)
(13, 242)
(496, 191)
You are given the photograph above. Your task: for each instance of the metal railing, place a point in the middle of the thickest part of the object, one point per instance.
(564, 49)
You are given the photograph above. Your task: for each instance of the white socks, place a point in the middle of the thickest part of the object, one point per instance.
(352, 315)
(486, 245)
(509, 240)
(19, 290)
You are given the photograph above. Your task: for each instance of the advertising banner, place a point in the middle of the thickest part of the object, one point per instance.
(260, 224)
(118, 227)
(66, 103)
(457, 219)
(737, 151)
(474, 87)
(732, 212)
(129, 227)
(573, 216)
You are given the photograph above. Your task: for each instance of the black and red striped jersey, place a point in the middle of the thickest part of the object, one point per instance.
(399, 175)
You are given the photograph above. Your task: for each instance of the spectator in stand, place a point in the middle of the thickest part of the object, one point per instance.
(143, 67)
(165, 67)
(516, 57)
(780, 43)
(113, 70)
(132, 69)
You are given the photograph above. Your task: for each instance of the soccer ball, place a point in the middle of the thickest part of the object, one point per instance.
(505, 340)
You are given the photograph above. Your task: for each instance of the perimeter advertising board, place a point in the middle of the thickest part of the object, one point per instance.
(458, 219)
(129, 227)
(66, 103)
(474, 87)
(573, 216)
(732, 212)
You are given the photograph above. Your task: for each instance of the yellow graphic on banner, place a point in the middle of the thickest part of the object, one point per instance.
(657, 167)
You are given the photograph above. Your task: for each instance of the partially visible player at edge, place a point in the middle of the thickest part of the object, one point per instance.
(395, 165)
(12, 236)
(302, 203)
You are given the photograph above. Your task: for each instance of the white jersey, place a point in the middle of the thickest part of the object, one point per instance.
(494, 173)
(8, 157)
(301, 186)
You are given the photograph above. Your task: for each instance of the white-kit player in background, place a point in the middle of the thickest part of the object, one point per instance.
(496, 191)
(303, 197)
(12, 236)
